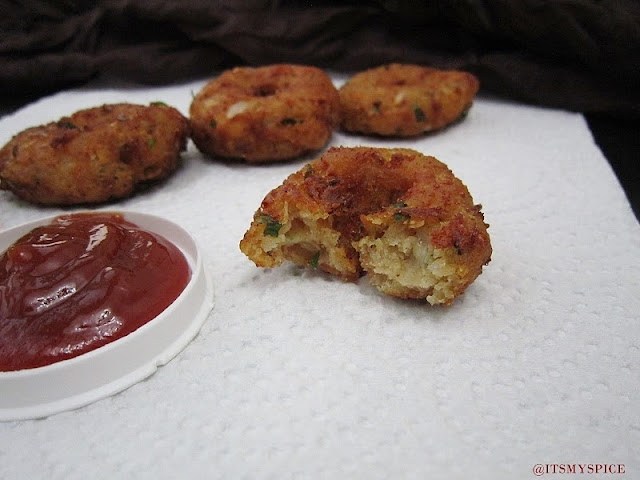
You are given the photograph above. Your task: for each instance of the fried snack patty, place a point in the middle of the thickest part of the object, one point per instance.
(265, 114)
(95, 155)
(399, 216)
(405, 100)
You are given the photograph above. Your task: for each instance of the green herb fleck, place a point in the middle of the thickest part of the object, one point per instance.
(213, 123)
(419, 114)
(457, 247)
(272, 227)
(67, 125)
(313, 262)
(308, 171)
(400, 216)
(376, 106)
(288, 121)
(159, 104)
(151, 142)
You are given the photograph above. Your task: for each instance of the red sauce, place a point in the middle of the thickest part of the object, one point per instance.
(79, 283)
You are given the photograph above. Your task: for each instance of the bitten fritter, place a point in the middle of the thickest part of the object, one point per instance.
(405, 100)
(265, 114)
(95, 155)
(399, 216)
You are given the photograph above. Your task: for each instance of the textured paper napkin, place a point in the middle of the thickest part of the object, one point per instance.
(296, 374)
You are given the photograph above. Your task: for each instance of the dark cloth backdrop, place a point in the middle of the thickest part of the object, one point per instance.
(576, 54)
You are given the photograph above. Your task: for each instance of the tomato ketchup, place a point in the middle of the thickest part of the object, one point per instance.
(80, 282)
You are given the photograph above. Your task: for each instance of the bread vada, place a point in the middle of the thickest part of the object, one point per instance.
(397, 215)
(95, 155)
(403, 100)
(265, 114)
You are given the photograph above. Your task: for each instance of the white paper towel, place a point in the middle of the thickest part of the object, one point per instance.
(299, 375)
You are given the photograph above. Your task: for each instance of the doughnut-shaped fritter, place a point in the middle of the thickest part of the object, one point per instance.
(95, 155)
(265, 114)
(399, 216)
(405, 100)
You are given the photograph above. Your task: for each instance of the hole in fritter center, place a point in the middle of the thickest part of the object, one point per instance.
(265, 90)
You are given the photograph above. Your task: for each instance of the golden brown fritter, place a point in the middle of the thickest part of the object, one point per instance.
(399, 216)
(95, 155)
(265, 114)
(405, 100)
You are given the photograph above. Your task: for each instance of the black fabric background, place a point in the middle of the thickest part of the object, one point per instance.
(579, 55)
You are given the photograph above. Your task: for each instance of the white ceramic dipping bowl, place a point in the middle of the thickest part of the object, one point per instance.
(76, 382)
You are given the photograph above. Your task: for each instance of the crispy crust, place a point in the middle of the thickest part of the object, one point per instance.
(95, 155)
(395, 214)
(405, 100)
(265, 114)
